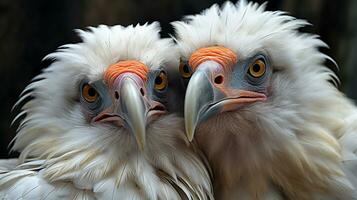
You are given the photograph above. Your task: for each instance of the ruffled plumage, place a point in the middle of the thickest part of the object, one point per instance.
(299, 144)
(65, 157)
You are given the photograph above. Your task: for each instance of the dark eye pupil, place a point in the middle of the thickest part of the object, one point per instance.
(158, 80)
(256, 68)
(185, 69)
(91, 92)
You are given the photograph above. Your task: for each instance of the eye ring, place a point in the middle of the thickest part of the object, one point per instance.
(185, 70)
(161, 81)
(89, 94)
(257, 68)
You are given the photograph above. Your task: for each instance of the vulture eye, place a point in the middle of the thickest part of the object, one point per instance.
(257, 68)
(161, 81)
(185, 70)
(89, 93)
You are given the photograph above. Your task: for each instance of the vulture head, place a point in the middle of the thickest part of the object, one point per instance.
(102, 116)
(260, 102)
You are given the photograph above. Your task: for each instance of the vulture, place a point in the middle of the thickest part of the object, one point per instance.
(263, 107)
(102, 123)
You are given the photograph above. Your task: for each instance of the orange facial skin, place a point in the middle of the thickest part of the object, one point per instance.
(222, 55)
(130, 105)
(121, 67)
(209, 91)
(226, 59)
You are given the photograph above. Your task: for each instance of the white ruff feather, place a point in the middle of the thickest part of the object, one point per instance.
(65, 157)
(302, 142)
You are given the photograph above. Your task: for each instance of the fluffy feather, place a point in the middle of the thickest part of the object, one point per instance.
(302, 142)
(63, 156)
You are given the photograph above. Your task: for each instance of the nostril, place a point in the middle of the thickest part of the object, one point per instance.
(142, 92)
(116, 95)
(218, 79)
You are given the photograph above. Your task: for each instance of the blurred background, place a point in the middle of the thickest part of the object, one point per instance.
(29, 30)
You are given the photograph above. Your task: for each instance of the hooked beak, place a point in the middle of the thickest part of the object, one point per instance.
(207, 96)
(131, 108)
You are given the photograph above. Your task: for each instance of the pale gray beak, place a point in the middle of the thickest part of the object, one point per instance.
(133, 110)
(208, 94)
(200, 94)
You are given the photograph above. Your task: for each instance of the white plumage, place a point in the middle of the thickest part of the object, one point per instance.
(65, 157)
(301, 143)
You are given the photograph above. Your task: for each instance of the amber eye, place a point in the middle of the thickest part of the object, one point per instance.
(257, 68)
(185, 70)
(161, 81)
(89, 93)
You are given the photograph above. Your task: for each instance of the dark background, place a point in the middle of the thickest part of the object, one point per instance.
(29, 30)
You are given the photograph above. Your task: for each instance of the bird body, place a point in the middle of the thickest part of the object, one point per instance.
(269, 119)
(99, 124)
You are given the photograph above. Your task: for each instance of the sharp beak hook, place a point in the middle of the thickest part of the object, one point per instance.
(134, 110)
(199, 94)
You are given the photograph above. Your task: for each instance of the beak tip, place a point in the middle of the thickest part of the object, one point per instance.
(141, 146)
(190, 138)
(190, 134)
(140, 140)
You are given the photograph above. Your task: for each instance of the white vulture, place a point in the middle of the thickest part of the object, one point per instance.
(261, 106)
(99, 124)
